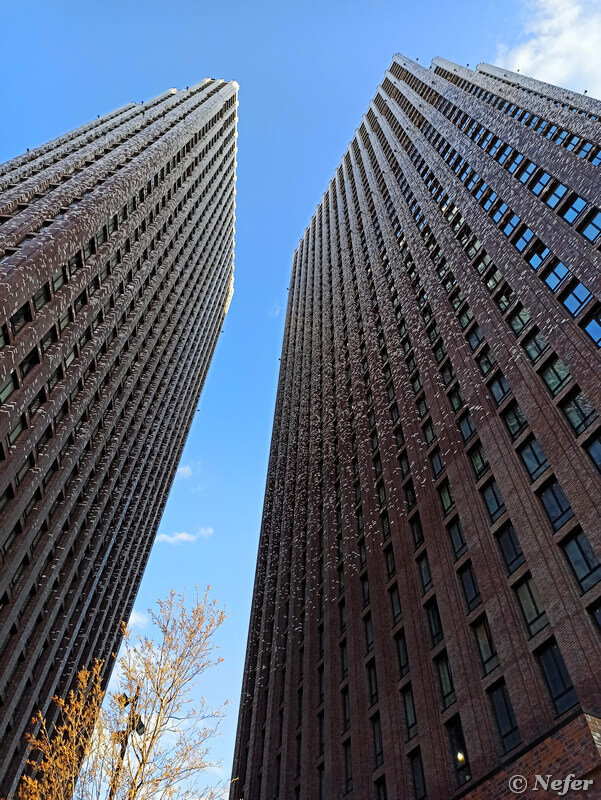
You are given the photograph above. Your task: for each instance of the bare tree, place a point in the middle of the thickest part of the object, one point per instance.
(151, 735)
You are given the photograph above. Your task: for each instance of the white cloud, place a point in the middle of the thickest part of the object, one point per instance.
(177, 538)
(562, 44)
(182, 536)
(185, 471)
(275, 310)
(137, 620)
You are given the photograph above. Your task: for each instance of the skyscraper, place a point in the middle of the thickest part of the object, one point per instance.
(116, 274)
(426, 619)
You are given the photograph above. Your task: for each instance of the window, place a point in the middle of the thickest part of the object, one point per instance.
(508, 729)
(410, 495)
(381, 793)
(515, 420)
(398, 436)
(446, 498)
(7, 387)
(376, 730)
(348, 766)
(518, 320)
(511, 549)
(595, 612)
(475, 337)
(457, 537)
(20, 318)
(365, 589)
(574, 209)
(445, 677)
(593, 448)
(389, 559)
(486, 361)
(424, 572)
(555, 504)
(417, 775)
(395, 603)
(16, 430)
(409, 707)
(434, 622)
(499, 388)
(556, 275)
(455, 398)
(494, 500)
(346, 708)
(385, 525)
(593, 326)
(534, 459)
(486, 647)
(556, 194)
(343, 657)
(467, 427)
(582, 560)
(577, 297)
(535, 345)
(579, 411)
(372, 682)
(368, 628)
(458, 751)
(471, 590)
(479, 460)
(592, 228)
(556, 677)
(531, 605)
(41, 297)
(401, 651)
(555, 375)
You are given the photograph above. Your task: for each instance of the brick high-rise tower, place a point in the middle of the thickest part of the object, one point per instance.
(116, 272)
(427, 606)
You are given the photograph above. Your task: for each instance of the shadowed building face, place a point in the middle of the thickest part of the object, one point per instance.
(427, 599)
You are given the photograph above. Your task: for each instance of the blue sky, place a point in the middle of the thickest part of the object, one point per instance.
(307, 71)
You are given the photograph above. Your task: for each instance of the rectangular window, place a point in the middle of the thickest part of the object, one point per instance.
(346, 708)
(579, 411)
(593, 448)
(31, 360)
(417, 775)
(479, 460)
(7, 387)
(503, 710)
(445, 677)
(556, 376)
(446, 498)
(458, 751)
(577, 297)
(376, 730)
(555, 504)
(409, 708)
(556, 677)
(434, 622)
(424, 572)
(531, 605)
(372, 682)
(457, 537)
(401, 651)
(348, 766)
(582, 560)
(534, 459)
(494, 500)
(469, 583)
(486, 647)
(368, 629)
(511, 549)
(395, 604)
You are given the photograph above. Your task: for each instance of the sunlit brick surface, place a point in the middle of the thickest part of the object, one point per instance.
(116, 271)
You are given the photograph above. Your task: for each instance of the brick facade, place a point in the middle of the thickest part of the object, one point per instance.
(428, 588)
(116, 272)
